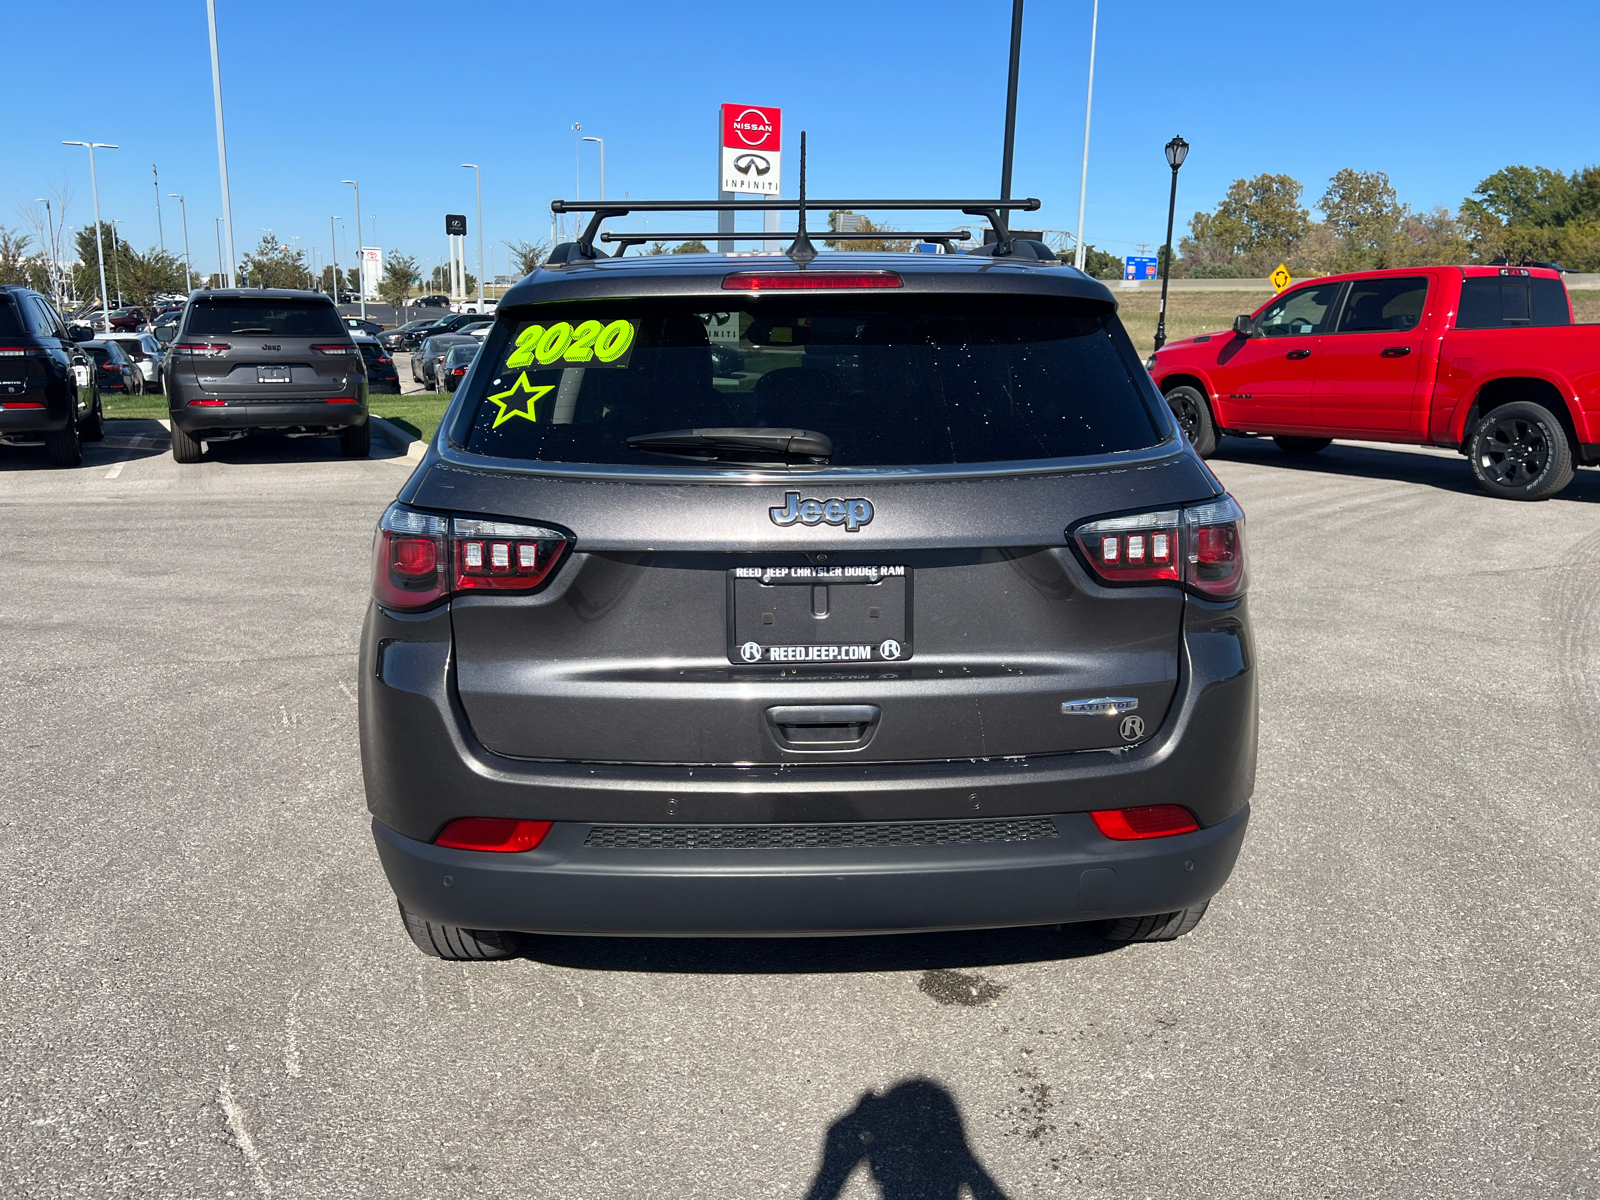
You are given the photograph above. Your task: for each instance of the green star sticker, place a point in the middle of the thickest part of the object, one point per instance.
(510, 407)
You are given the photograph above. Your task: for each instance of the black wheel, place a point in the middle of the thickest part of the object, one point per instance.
(1520, 452)
(457, 944)
(1300, 445)
(356, 441)
(185, 449)
(1194, 418)
(64, 446)
(93, 427)
(1162, 927)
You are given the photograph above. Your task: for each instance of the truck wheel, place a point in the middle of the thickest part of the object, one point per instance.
(185, 449)
(93, 427)
(1194, 418)
(64, 446)
(1520, 452)
(1162, 927)
(459, 945)
(355, 441)
(1300, 445)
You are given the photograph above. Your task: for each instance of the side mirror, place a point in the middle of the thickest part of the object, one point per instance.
(1244, 326)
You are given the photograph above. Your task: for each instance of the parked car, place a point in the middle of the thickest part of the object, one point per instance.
(434, 301)
(147, 354)
(642, 656)
(115, 371)
(48, 384)
(357, 325)
(485, 305)
(457, 362)
(425, 362)
(381, 373)
(126, 320)
(1484, 360)
(395, 339)
(475, 329)
(265, 358)
(446, 324)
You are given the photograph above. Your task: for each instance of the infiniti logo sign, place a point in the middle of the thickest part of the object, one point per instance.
(852, 514)
(746, 163)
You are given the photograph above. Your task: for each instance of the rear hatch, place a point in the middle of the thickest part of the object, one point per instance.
(760, 597)
(273, 349)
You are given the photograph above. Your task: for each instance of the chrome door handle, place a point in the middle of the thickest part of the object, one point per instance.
(1298, 354)
(1396, 351)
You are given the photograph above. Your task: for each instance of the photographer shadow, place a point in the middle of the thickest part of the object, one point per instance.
(913, 1142)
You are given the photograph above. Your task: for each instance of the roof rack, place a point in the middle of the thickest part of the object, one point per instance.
(802, 251)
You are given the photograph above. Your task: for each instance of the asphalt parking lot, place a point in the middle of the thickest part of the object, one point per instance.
(208, 993)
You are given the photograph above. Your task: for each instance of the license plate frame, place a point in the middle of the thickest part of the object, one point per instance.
(274, 375)
(863, 614)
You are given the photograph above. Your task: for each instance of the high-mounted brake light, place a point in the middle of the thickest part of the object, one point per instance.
(421, 558)
(502, 834)
(1201, 546)
(1145, 821)
(792, 281)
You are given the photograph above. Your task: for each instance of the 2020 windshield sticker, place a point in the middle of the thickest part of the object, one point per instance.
(510, 404)
(588, 344)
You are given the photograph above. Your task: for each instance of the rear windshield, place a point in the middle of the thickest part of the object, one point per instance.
(100, 354)
(370, 352)
(462, 353)
(914, 381)
(10, 323)
(1507, 301)
(276, 318)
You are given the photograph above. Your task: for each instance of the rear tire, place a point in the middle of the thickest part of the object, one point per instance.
(93, 427)
(1519, 451)
(356, 440)
(1162, 927)
(1302, 445)
(454, 944)
(185, 449)
(64, 446)
(1193, 415)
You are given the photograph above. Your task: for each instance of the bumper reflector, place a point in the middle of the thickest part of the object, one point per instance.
(1146, 821)
(501, 834)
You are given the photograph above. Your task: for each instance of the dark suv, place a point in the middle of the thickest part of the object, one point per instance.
(911, 609)
(48, 392)
(248, 359)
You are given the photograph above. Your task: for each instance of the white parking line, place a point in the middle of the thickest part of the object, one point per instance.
(116, 468)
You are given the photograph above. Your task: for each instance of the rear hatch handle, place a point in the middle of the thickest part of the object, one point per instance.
(823, 726)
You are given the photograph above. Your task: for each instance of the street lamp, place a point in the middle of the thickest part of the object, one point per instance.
(222, 141)
(333, 238)
(1080, 259)
(602, 142)
(116, 260)
(478, 175)
(1177, 151)
(361, 274)
(222, 280)
(188, 277)
(99, 250)
(50, 237)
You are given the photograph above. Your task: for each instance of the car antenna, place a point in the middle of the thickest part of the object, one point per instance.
(802, 251)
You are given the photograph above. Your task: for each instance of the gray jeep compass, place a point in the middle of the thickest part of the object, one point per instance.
(263, 358)
(806, 594)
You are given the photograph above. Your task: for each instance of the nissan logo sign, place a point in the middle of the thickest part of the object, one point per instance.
(752, 127)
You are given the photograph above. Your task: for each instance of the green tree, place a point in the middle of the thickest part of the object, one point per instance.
(695, 247)
(865, 224)
(399, 273)
(19, 267)
(1258, 220)
(1363, 209)
(1099, 264)
(148, 275)
(350, 279)
(271, 265)
(526, 256)
(440, 280)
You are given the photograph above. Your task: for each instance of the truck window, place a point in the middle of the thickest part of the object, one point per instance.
(1506, 302)
(1383, 305)
(1299, 312)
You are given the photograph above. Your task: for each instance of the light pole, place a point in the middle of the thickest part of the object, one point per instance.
(1083, 187)
(602, 142)
(99, 249)
(50, 237)
(116, 259)
(222, 280)
(1177, 151)
(334, 240)
(160, 234)
(478, 175)
(221, 143)
(361, 272)
(188, 275)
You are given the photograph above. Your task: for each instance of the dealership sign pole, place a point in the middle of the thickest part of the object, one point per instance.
(749, 160)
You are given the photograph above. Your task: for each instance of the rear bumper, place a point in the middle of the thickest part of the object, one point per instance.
(49, 419)
(311, 414)
(568, 887)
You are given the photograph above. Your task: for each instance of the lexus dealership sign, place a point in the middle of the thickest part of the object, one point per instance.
(751, 140)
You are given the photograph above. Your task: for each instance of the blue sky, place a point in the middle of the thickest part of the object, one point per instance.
(899, 98)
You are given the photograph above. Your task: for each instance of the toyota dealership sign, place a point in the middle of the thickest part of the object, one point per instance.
(751, 140)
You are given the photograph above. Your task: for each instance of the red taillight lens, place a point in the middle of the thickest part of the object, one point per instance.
(1146, 821)
(335, 349)
(200, 349)
(206, 403)
(21, 404)
(792, 281)
(422, 558)
(343, 400)
(1201, 546)
(501, 834)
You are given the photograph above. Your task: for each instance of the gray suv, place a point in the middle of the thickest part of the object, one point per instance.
(248, 359)
(846, 593)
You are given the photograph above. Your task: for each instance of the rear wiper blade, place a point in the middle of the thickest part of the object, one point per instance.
(758, 444)
(252, 329)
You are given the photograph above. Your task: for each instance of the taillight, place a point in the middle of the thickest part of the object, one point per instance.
(1201, 546)
(790, 281)
(422, 558)
(1145, 821)
(207, 403)
(23, 352)
(20, 404)
(201, 349)
(503, 834)
(335, 349)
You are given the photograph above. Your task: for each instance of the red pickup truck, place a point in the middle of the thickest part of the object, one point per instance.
(1485, 360)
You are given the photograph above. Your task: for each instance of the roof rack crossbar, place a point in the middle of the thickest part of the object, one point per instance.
(711, 235)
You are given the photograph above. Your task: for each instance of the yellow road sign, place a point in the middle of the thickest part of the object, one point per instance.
(1281, 277)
